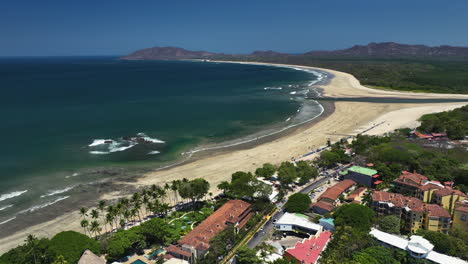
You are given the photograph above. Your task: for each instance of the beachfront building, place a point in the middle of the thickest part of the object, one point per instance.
(436, 218)
(460, 216)
(416, 246)
(297, 223)
(308, 250)
(447, 197)
(409, 209)
(196, 243)
(329, 199)
(361, 175)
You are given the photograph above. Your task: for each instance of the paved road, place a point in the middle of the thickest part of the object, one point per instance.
(259, 236)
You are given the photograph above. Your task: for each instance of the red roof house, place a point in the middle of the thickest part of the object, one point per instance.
(308, 251)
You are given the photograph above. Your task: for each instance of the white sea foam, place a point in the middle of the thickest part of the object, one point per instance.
(37, 207)
(289, 118)
(8, 220)
(5, 207)
(54, 192)
(153, 152)
(98, 142)
(273, 88)
(293, 92)
(11, 195)
(149, 139)
(95, 152)
(117, 147)
(73, 175)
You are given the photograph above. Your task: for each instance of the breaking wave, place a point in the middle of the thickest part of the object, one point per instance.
(54, 192)
(5, 207)
(37, 207)
(11, 195)
(8, 220)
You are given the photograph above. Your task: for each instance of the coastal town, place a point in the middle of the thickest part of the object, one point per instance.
(293, 212)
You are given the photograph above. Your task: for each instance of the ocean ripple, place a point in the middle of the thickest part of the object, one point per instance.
(11, 195)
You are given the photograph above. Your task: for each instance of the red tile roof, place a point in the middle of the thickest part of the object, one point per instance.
(427, 187)
(308, 251)
(436, 210)
(178, 250)
(356, 193)
(233, 211)
(334, 192)
(461, 206)
(412, 179)
(398, 200)
(448, 191)
(323, 205)
(421, 135)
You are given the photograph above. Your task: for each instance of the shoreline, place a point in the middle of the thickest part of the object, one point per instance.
(345, 119)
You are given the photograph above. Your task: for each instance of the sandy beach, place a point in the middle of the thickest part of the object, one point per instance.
(348, 118)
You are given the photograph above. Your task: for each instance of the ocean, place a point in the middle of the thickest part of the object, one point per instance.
(67, 123)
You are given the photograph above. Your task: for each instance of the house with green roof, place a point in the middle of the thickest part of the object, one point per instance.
(361, 175)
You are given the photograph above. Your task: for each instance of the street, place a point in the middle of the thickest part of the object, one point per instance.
(258, 237)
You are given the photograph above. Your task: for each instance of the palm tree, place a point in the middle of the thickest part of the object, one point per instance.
(164, 207)
(102, 206)
(83, 211)
(95, 228)
(109, 220)
(94, 214)
(122, 223)
(174, 187)
(84, 224)
(31, 242)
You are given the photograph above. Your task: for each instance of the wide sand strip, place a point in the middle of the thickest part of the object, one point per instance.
(348, 118)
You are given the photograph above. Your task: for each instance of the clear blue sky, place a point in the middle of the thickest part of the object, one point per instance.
(100, 27)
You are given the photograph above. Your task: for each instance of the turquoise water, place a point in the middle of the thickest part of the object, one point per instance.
(131, 113)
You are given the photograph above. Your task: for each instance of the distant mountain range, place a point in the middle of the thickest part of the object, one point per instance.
(371, 50)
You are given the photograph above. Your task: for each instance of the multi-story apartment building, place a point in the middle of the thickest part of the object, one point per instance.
(436, 218)
(460, 216)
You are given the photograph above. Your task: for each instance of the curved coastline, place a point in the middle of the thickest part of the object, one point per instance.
(346, 118)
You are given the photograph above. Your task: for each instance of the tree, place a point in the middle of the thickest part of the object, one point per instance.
(71, 245)
(390, 224)
(60, 260)
(242, 185)
(286, 174)
(375, 255)
(266, 171)
(305, 172)
(224, 186)
(246, 255)
(123, 242)
(354, 215)
(298, 203)
(84, 224)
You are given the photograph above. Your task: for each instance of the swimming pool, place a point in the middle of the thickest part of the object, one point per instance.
(138, 261)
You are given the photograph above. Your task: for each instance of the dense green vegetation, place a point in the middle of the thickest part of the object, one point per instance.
(329, 158)
(67, 246)
(297, 203)
(352, 243)
(436, 76)
(454, 123)
(395, 153)
(446, 244)
(390, 224)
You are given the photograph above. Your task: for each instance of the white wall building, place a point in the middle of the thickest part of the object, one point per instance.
(417, 247)
(297, 222)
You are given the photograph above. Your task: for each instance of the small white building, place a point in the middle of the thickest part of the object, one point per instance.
(297, 222)
(176, 261)
(417, 247)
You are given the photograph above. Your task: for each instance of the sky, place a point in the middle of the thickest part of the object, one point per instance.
(102, 27)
